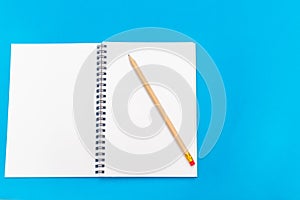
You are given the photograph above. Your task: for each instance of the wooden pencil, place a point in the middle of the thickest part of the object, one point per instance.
(161, 110)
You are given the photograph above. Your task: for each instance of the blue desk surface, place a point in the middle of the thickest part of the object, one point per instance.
(256, 47)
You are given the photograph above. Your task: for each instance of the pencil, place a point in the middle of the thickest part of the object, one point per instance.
(161, 110)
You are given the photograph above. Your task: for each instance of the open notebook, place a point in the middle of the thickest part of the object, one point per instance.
(78, 110)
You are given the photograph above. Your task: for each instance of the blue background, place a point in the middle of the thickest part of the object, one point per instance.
(255, 45)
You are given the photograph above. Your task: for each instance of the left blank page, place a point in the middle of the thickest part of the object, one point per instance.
(42, 140)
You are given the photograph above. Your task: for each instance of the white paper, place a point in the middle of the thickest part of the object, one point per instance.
(41, 138)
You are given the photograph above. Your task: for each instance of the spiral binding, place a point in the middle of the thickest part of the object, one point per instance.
(100, 109)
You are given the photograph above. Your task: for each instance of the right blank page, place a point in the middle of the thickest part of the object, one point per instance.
(138, 143)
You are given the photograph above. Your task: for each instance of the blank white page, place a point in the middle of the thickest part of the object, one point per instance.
(42, 140)
(128, 152)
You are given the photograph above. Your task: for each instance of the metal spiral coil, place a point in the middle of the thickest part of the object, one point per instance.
(100, 109)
